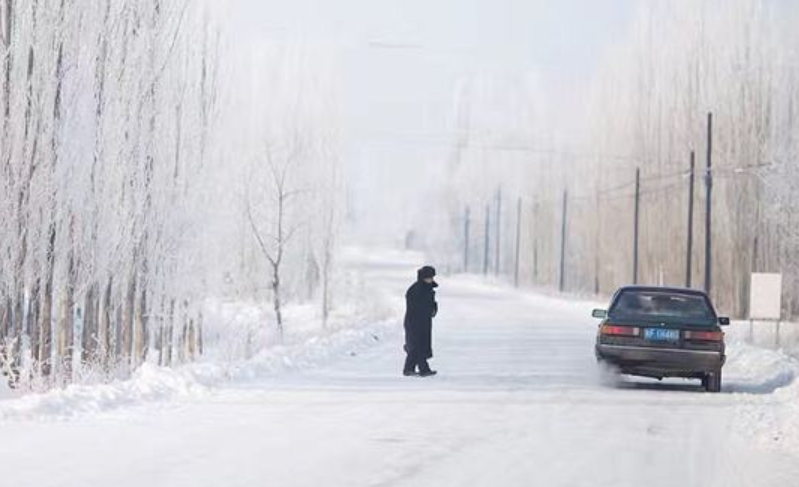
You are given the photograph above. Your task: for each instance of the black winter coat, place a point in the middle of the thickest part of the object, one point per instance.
(420, 309)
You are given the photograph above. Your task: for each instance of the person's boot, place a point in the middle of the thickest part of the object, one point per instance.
(410, 373)
(427, 373)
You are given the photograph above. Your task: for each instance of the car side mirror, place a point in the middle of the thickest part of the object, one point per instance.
(724, 320)
(599, 313)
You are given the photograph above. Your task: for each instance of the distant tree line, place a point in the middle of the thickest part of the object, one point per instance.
(645, 110)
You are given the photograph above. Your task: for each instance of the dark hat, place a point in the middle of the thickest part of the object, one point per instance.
(427, 272)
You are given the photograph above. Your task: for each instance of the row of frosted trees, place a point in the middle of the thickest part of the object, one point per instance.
(134, 184)
(645, 110)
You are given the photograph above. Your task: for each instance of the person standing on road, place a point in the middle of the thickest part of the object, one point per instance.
(420, 309)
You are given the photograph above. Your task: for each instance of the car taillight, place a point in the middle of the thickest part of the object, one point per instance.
(630, 331)
(708, 336)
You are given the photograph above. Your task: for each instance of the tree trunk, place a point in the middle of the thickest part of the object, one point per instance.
(276, 299)
(45, 351)
(127, 325)
(104, 342)
(140, 331)
(66, 340)
(89, 332)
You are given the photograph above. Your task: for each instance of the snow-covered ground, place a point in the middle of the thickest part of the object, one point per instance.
(518, 401)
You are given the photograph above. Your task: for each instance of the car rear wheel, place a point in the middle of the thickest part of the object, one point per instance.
(712, 381)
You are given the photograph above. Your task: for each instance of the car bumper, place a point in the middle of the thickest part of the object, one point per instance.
(660, 362)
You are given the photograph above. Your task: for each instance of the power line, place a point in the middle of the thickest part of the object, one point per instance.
(617, 192)
(512, 147)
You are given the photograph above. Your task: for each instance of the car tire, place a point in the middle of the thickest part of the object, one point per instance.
(712, 381)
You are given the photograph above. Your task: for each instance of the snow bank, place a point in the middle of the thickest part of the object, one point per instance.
(756, 370)
(775, 420)
(151, 383)
(241, 345)
(311, 353)
(770, 414)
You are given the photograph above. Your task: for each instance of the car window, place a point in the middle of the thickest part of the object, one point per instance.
(662, 304)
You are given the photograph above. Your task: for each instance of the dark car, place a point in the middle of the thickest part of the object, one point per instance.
(662, 332)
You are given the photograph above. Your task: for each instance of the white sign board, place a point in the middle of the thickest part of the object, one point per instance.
(765, 297)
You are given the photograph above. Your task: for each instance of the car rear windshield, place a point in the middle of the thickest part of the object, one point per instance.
(662, 304)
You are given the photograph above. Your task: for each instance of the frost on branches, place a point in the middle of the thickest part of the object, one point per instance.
(124, 205)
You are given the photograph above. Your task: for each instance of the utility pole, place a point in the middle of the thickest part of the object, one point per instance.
(498, 239)
(518, 242)
(689, 251)
(597, 240)
(466, 223)
(535, 243)
(487, 239)
(564, 215)
(637, 215)
(709, 207)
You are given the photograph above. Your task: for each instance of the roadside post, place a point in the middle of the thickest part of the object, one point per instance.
(765, 302)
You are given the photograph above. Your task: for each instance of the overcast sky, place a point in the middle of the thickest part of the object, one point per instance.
(401, 61)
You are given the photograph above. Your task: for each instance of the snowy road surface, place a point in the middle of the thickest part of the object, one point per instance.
(518, 402)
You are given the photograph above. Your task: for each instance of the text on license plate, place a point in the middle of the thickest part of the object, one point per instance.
(661, 335)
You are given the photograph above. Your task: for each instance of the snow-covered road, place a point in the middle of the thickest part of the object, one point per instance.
(518, 402)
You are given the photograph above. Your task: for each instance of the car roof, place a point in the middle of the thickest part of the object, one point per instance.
(668, 289)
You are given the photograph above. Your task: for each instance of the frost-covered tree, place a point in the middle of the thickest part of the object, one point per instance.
(290, 186)
(646, 109)
(122, 164)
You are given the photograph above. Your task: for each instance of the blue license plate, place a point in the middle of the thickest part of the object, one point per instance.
(661, 335)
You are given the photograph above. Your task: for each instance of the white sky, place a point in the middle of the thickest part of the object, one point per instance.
(401, 61)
